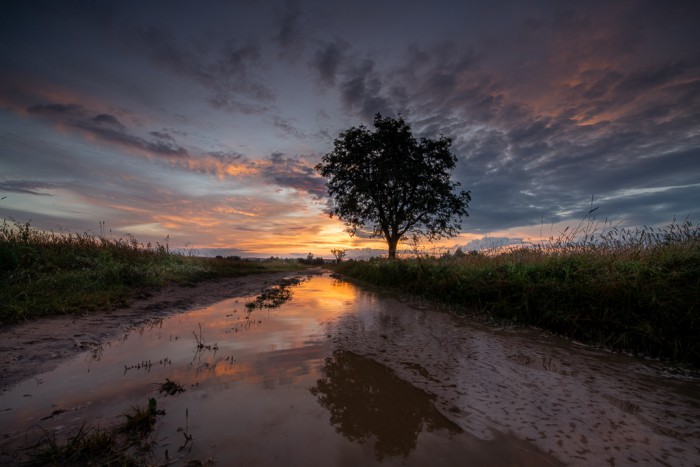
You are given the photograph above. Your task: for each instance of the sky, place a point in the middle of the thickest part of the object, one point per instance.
(200, 123)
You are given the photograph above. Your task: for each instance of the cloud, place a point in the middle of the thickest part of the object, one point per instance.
(360, 90)
(295, 173)
(162, 135)
(30, 187)
(108, 121)
(328, 60)
(161, 146)
(107, 128)
(228, 71)
(278, 169)
(562, 108)
(490, 243)
(287, 127)
(58, 109)
(289, 37)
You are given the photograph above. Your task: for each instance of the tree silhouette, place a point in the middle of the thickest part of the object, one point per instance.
(390, 182)
(338, 254)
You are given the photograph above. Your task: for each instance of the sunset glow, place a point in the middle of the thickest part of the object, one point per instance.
(200, 125)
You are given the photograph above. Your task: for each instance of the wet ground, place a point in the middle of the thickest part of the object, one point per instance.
(334, 375)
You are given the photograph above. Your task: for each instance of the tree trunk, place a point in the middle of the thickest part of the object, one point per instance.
(392, 242)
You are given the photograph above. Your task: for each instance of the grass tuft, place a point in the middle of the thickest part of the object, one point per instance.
(127, 444)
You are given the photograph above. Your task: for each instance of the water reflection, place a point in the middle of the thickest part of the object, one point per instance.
(367, 400)
(356, 373)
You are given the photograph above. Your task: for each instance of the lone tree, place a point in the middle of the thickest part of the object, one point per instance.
(390, 182)
(339, 254)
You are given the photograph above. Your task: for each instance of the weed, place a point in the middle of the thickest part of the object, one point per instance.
(96, 447)
(170, 387)
(140, 421)
(200, 341)
(125, 445)
(274, 296)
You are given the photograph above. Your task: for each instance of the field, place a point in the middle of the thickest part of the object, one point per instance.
(47, 273)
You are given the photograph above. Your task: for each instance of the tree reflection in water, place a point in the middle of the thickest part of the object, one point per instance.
(366, 399)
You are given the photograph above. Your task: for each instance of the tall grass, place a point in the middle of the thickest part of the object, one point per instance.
(43, 273)
(634, 290)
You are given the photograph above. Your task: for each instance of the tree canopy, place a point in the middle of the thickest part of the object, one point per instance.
(387, 181)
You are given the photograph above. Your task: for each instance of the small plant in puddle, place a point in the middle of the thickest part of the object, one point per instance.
(200, 341)
(270, 298)
(147, 364)
(100, 445)
(125, 444)
(141, 421)
(188, 437)
(170, 387)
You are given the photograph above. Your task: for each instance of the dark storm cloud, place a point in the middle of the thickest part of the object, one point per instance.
(360, 90)
(107, 128)
(295, 173)
(229, 70)
(327, 61)
(359, 79)
(290, 37)
(30, 187)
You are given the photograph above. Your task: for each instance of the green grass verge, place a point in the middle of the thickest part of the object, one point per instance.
(45, 273)
(634, 291)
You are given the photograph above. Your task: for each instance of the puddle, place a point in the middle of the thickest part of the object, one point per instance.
(323, 373)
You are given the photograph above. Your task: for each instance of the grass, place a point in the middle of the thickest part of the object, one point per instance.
(47, 273)
(127, 444)
(630, 290)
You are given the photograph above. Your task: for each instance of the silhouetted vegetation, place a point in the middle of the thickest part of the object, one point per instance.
(44, 273)
(127, 444)
(388, 181)
(632, 290)
(338, 254)
(310, 260)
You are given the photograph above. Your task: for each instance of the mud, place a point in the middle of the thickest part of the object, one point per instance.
(30, 348)
(581, 404)
(335, 375)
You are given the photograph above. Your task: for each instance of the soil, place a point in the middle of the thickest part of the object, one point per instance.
(34, 347)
